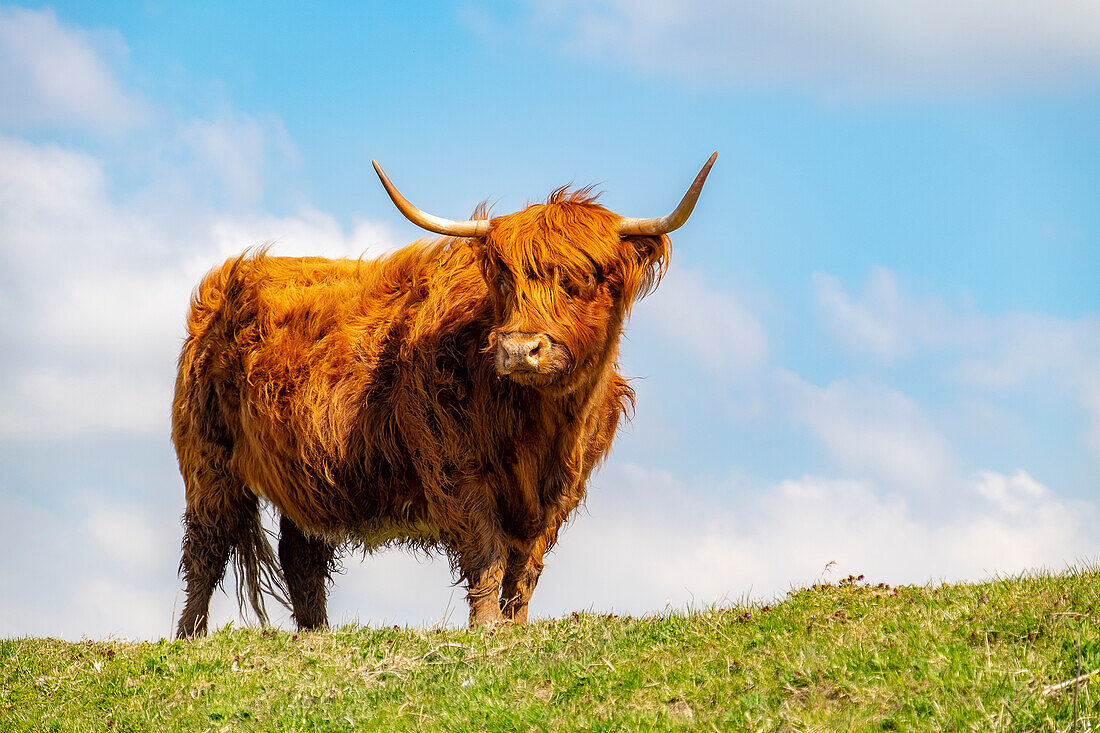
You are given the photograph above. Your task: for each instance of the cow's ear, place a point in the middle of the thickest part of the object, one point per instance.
(646, 249)
(645, 259)
(478, 247)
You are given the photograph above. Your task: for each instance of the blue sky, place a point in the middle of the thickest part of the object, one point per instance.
(878, 343)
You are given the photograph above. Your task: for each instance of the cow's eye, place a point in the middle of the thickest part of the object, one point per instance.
(503, 287)
(575, 287)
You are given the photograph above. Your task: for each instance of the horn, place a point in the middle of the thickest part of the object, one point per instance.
(679, 215)
(424, 220)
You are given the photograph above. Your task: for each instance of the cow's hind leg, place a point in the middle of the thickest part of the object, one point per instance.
(222, 516)
(212, 530)
(306, 562)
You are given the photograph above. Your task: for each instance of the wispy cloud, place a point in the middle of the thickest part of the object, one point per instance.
(712, 326)
(986, 353)
(884, 321)
(874, 431)
(836, 47)
(1028, 349)
(235, 151)
(51, 74)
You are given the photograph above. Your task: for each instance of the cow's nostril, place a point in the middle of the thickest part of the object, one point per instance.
(535, 349)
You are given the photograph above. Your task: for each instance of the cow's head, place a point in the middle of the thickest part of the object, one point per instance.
(562, 277)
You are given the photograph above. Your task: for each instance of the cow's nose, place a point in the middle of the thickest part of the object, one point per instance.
(522, 352)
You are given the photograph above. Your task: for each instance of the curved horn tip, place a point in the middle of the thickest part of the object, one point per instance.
(378, 170)
(705, 170)
(679, 215)
(430, 222)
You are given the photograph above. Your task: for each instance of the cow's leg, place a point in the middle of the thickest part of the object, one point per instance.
(479, 551)
(521, 574)
(306, 564)
(481, 559)
(219, 513)
(483, 590)
(205, 554)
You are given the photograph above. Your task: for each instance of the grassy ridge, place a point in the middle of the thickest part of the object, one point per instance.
(849, 655)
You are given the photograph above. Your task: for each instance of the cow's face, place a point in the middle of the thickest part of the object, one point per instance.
(561, 277)
(561, 280)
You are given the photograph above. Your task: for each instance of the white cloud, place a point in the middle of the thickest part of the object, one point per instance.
(1032, 349)
(655, 538)
(873, 430)
(57, 75)
(990, 353)
(836, 47)
(1022, 346)
(1012, 495)
(397, 587)
(862, 327)
(710, 325)
(236, 152)
(48, 196)
(99, 288)
(884, 322)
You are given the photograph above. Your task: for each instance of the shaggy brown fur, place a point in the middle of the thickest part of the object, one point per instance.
(362, 400)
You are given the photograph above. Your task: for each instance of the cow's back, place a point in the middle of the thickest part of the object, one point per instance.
(291, 363)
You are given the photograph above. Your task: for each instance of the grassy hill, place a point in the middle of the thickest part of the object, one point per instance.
(850, 655)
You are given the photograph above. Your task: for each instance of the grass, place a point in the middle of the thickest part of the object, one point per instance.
(848, 655)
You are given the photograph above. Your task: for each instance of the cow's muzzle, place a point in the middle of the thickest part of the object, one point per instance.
(519, 352)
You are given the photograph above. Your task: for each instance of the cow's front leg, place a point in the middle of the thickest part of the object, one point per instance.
(521, 574)
(483, 577)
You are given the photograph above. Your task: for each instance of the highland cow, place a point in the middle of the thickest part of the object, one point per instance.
(453, 395)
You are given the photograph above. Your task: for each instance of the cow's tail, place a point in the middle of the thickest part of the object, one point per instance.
(257, 569)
